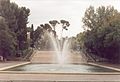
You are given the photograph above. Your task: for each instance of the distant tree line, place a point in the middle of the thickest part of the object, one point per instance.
(40, 38)
(102, 33)
(13, 29)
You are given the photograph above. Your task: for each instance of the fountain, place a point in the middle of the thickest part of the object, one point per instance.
(61, 48)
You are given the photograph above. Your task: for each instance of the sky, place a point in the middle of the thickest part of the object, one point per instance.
(42, 11)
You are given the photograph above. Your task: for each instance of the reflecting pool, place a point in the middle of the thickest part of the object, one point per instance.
(69, 68)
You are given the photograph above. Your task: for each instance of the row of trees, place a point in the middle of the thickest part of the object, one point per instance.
(13, 29)
(40, 38)
(102, 33)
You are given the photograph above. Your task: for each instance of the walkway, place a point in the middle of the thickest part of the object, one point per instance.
(51, 57)
(60, 77)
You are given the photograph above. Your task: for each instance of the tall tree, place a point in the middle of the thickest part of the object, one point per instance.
(7, 41)
(102, 34)
(17, 19)
(22, 27)
(65, 24)
(54, 23)
(8, 11)
(32, 36)
(100, 18)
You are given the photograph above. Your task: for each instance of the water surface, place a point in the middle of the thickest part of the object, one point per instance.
(82, 68)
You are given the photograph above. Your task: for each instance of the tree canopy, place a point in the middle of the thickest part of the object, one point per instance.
(102, 33)
(41, 33)
(16, 19)
(7, 41)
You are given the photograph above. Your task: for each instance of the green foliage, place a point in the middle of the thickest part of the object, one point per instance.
(102, 17)
(31, 36)
(41, 34)
(73, 43)
(22, 28)
(65, 24)
(17, 19)
(53, 23)
(8, 11)
(102, 33)
(7, 41)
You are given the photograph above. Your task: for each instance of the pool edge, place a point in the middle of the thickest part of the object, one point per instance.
(8, 67)
(108, 67)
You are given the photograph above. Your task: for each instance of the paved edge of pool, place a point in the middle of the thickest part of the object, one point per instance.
(60, 73)
(108, 67)
(12, 66)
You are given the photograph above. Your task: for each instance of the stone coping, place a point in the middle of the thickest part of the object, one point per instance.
(113, 68)
(12, 66)
(59, 73)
